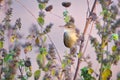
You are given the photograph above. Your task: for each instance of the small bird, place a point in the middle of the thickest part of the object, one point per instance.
(70, 35)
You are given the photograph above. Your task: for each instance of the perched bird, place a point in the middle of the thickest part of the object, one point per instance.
(70, 35)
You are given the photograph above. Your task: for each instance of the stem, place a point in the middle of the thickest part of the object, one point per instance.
(0, 72)
(100, 76)
(88, 38)
(20, 69)
(26, 9)
(78, 63)
(42, 27)
(81, 45)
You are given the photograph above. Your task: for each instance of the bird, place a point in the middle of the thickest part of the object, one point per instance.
(70, 35)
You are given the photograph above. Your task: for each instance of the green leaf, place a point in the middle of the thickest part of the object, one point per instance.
(53, 72)
(45, 69)
(43, 51)
(37, 40)
(8, 57)
(114, 48)
(106, 74)
(42, 6)
(67, 19)
(29, 74)
(41, 21)
(104, 12)
(21, 63)
(115, 36)
(1, 44)
(86, 73)
(45, 38)
(24, 78)
(65, 13)
(64, 64)
(41, 58)
(37, 74)
(26, 69)
(79, 55)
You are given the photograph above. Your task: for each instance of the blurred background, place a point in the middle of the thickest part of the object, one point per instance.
(78, 10)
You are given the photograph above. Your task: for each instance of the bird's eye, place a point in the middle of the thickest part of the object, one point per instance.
(70, 26)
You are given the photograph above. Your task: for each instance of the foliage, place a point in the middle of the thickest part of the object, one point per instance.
(51, 67)
(86, 73)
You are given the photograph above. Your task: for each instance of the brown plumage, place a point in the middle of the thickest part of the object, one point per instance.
(70, 35)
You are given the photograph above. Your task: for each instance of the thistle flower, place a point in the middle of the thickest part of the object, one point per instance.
(48, 28)
(33, 30)
(73, 50)
(18, 23)
(51, 51)
(3, 52)
(41, 14)
(9, 11)
(67, 72)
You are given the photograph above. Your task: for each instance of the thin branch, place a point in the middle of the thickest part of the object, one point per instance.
(88, 5)
(56, 15)
(55, 48)
(42, 27)
(88, 11)
(102, 57)
(20, 69)
(89, 20)
(1, 72)
(81, 45)
(26, 9)
(88, 38)
(100, 78)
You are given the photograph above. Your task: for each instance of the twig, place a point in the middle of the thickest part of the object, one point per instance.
(1, 72)
(26, 9)
(20, 69)
(101, 66)
(42, 28)
(81, 45)
(88, 38)
(88, 11)
(56, 15)
(100, 78)
(55, 48)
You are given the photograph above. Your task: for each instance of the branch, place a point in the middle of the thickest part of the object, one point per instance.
(81, 45)
(20, 69)
(88, 38)
(41, 27)
(1, 72)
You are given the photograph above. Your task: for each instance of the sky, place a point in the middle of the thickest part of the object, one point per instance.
(78, 10)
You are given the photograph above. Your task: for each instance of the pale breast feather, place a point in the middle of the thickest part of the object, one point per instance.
(69, 39)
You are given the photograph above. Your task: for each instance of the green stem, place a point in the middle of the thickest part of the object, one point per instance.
(100, 76)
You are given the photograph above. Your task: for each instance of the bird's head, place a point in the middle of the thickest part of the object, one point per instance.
(69, 27)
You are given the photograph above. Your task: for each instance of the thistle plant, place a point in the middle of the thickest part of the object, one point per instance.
(50, 65)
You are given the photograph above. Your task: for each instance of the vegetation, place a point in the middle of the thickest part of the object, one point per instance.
(51, 65)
